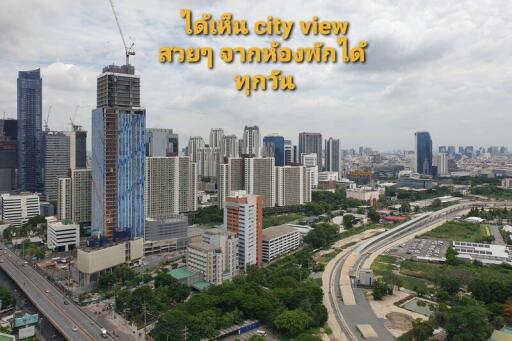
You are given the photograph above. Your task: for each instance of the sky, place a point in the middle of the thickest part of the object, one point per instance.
(440, 66)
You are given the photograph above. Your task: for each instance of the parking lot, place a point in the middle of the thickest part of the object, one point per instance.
(422, 250)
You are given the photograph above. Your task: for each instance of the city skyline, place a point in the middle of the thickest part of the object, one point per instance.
(432, 85)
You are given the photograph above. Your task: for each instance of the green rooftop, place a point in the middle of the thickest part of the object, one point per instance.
(181, 273)
(504, 334)
(7, 337)
(201, 285)
(26, 320)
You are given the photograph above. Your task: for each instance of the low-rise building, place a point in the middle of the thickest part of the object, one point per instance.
(91, 261)
(60, 235)
(279, 240)
(414, 180)
(365, 194)
(485, 253)
(18, 209)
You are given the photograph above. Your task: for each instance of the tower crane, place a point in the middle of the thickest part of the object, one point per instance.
(129, 51)
(47, 118)
(72, 118)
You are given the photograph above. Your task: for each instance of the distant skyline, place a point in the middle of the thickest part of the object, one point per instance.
(441, 67)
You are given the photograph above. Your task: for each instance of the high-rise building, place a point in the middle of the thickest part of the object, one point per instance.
(64, 199)
(216, 138)
(209, 159)
(77, 147)
(81, 181)
(451, 150)
(442, 164)
(227, 242)
(251, 141)
(118, 129)
(288, 152)
(171, 186)
(30, 133)
(260, 178)
(8, 163)
(423, 152)
(230, 146)
(243, 215)
(332, 155)
(292, 186)
(118, 87)
(18, 209)
(161, 142)
(56, 161)
(230, 177)
(195, 143)
(311, 143)
(310, 162)
(273, 146)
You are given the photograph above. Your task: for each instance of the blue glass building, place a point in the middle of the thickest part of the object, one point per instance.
(30, 133)
(423, 152)
(274, 146)
(118, 152)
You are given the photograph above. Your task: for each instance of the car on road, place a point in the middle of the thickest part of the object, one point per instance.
(1, 260)
(46, 290)
(75, 328)
(66, 302)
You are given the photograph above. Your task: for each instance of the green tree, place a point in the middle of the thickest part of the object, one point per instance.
(373, 215)
(450, 284)
(348, 221)
(436, 204)
(292, 322)
(467, 323)
(6, 298)
(451, 256)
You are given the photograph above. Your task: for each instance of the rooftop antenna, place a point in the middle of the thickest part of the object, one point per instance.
(129, 51)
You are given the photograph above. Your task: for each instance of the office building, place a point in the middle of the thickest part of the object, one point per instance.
(61, 235)
(311, 143)
(209, 159)
(414, 180)
(292, 186)
(81, 182)
(195, 143)
(332, 155)
(442, 164)
(8, 163)
(310, 161)
(30, 133)
(18, 209)
(171, 186)
(173, 228)
(230, 146)
(273, 146)
(243, 215)
(423, 153)
(227, 242)
(77, 147)
(251, 141)
(216, 138)
(288, 153)
(366, 194)
(260, 178)
(279, 240)
(328, 176)
(56, 161)
(485, 253)
(118, 129)
(161, 142)
(64, 199)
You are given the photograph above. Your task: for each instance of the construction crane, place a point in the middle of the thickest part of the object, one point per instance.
(129, 51)
(72, 119)
(46, 128)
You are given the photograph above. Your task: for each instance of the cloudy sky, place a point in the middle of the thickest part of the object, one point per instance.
(442, 66)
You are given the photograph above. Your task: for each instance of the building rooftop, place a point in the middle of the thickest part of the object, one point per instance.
(181, 273)
(277, 231)
(201, 285)
(202, 246)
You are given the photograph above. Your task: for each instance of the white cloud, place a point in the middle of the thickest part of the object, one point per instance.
(437, 65)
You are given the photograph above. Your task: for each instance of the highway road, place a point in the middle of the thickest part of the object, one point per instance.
(359, 312)
(69, 319)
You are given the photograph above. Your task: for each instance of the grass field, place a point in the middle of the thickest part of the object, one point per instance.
(459, 231)
(273, 220)
(384, 266)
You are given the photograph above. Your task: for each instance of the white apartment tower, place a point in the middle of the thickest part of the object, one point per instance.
(194, 144)
(18, 209)
(260, 178)
(252, 141)
(292, 186)
(64, 199)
